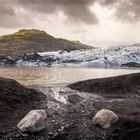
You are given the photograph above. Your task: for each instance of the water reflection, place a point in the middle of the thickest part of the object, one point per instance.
(45, 76)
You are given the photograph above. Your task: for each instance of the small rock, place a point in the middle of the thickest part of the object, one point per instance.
(50, 133)
(83, 111)
(105, 118)
(74, 98)
(34, 121)
(53, 121)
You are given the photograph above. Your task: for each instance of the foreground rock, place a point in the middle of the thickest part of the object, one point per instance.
(15, 102)
(105, 118)
(118, 84)
(34, 121)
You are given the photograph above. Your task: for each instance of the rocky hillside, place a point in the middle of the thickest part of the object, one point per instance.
(27, 41)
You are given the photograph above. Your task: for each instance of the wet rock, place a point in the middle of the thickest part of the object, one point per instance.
(131, 64)
(105, 118)
(74, 98)
(34, 121)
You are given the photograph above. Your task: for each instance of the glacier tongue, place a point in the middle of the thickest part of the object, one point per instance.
(100, 57)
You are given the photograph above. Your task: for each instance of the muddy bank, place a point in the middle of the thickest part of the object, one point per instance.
(15, 101)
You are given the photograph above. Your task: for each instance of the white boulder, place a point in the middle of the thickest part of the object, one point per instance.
(105, 118)
(34, 121)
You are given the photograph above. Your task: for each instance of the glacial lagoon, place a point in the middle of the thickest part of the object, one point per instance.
(48, 76)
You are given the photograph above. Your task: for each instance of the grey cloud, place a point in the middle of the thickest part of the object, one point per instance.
(109, 2)
(126, 10)
(75, 10)
(78, 10)
(129, 11)
(8, 16)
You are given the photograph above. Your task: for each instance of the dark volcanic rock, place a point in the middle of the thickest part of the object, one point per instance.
(31, 57)
(118, 84)
(74, 98)
(125, 129)
(15, 101)
(7, 60)
(131, 64)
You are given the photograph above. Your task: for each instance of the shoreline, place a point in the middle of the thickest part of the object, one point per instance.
(48, 76)
(65, 67)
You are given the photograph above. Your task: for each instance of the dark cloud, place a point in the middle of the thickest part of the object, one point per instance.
(74, 10)
(109, 2)
(78, 10)
(129, 11)
(10, 17)
(6, 14)
(125, 10)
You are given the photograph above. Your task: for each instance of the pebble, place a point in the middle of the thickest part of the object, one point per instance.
(53, 121)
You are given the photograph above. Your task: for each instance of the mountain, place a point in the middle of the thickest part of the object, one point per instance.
(136, 44)
(33, 40)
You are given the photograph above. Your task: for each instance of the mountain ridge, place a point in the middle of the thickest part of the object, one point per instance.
(34, 40)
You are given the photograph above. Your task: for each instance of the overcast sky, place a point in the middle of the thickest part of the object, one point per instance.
(95, 22)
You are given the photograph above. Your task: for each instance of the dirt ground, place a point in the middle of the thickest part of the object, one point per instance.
(70, 111)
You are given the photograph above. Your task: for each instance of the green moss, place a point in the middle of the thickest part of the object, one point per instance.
(24, 33)
(77, 41)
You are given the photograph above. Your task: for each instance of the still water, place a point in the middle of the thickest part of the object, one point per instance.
(47, 76)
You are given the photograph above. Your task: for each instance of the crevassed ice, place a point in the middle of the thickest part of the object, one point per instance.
(103, 57)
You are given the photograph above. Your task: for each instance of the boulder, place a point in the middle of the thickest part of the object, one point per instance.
(105, 118)
(74, 98)
(34, 121)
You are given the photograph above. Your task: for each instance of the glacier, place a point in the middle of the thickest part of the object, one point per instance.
(100, 57)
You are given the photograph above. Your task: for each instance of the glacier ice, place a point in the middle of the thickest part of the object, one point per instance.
(99, 57)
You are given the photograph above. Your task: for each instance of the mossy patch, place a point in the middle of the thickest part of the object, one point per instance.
(24, 33)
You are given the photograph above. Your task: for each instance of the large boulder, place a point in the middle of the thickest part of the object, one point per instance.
(105, 118)
(34, 121)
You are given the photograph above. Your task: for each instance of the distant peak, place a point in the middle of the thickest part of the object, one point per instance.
(25, 33)
(136, 44)
(31, 31)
